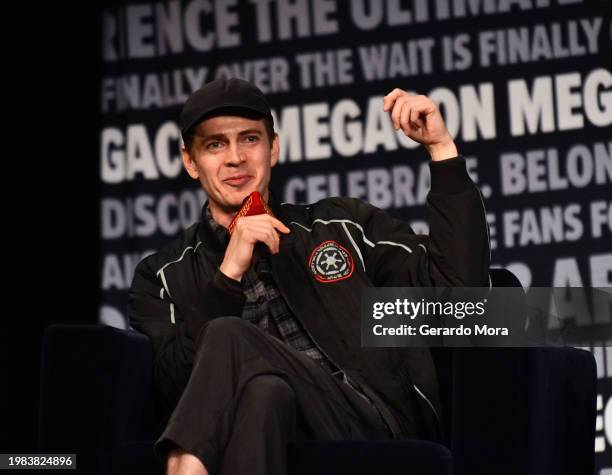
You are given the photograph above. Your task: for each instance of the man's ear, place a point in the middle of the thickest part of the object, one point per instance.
(275, 152)
(189, 164)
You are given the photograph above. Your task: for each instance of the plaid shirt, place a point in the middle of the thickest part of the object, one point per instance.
(266, 308)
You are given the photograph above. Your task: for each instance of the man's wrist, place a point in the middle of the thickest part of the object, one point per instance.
(443, 151)
(229, 272)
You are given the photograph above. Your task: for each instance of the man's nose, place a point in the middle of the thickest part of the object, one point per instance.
(235, 156)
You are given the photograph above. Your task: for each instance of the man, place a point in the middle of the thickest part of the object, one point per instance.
(257, 335)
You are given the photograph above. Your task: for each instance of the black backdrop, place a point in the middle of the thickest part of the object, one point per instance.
(50, 189)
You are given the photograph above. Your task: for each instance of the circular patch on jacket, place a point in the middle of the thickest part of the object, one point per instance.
(330, 262)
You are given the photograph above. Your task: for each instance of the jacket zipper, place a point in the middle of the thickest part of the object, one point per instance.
(429, 403)
(303, 326)
(389, 425)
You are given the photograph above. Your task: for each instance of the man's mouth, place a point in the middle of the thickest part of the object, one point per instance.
(237, 180)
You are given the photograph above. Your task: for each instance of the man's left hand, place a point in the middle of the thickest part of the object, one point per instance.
(420, 119)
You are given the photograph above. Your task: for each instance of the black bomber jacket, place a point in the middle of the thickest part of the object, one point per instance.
(178, 289)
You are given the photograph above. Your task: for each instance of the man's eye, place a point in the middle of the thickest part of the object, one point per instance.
(251, 138)
(213, 145)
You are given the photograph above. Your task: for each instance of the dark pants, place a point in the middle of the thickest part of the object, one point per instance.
(249, 395)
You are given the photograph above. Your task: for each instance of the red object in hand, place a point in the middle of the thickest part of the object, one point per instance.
(252, 205)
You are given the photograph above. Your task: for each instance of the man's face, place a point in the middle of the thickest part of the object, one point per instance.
(231, 156)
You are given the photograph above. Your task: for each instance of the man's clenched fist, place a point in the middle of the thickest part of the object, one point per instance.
(420, 119)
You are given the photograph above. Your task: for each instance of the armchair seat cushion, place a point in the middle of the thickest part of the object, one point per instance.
(391, 457)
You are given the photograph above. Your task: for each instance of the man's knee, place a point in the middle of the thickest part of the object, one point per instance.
(224, 329)
(269, 394)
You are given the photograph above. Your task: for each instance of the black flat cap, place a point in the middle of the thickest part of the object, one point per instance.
(223, 94)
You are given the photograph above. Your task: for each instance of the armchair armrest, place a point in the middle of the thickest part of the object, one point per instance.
(96, 392)
(523, 410)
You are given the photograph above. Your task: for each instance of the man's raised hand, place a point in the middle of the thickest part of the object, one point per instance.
(420, 119)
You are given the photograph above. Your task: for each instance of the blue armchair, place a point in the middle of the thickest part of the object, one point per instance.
(508, 411)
